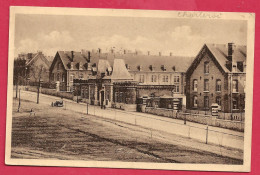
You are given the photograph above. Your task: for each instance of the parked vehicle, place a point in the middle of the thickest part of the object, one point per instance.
(58, 103)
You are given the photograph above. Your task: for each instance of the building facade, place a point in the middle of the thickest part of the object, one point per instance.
(217, 75)
(70, 65)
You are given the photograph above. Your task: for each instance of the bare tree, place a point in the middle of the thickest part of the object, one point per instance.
(37, 72)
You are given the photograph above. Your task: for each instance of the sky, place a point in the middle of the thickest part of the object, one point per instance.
(182, 37)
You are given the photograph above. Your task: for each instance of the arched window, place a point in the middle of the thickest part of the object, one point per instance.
(195, 101)
(195, 85)
(218, 85)
(206, 67)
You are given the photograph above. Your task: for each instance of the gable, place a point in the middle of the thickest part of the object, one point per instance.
(55, 60)
(203, 53)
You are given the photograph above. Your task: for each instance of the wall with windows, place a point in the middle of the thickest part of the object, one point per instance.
(206, 86)
(160, 78)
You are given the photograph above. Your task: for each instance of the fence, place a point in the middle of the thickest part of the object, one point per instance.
(52, 92)
(195, 131)
(198, 118)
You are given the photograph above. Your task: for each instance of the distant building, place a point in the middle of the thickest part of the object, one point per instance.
(217, 75)
(33, 63)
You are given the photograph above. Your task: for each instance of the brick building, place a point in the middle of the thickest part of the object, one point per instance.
(217, 75)
(70, 65)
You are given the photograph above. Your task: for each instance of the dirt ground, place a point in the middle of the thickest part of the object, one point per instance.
(56, 133)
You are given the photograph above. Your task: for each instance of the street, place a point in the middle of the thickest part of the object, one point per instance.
(133, 125)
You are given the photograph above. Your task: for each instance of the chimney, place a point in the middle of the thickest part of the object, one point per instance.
(230, 51)
(148, 53)
(160, 53)
(72, 56)
(170, 53)
(230, 56)
(124, 51)
(99, 50)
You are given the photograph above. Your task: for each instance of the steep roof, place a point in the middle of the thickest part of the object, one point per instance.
(134, 60)
(36, 56)
(170, 63)
(220, 52)
(220, 56)
(119, 71)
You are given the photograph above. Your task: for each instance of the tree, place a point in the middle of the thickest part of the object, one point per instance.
(19, 72)
(37, 72)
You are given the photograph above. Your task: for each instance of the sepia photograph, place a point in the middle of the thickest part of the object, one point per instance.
(140, 89)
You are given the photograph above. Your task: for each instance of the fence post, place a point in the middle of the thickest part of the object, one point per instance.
(207, 130)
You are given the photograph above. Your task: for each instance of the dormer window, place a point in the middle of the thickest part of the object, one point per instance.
(173, 68)
(139, 67)
(152, 68)
(163, 68)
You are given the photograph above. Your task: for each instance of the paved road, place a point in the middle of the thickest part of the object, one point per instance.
(219, 136)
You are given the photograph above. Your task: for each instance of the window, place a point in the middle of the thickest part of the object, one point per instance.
(206, 67)
(195, 101)
(176, 88)
(235, 86)
(141, 78)
(206, 85)
(218, 100)
(176, 79)
(195, 85)
(218, 85)
(165, 78)
(154, 78)
(58, 77)
(206, 102)
(71, 77)
(235, 103)
(63, 78)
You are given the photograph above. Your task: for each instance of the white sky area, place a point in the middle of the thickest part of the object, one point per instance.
(182, 37)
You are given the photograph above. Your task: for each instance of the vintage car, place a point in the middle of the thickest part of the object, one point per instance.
(58, 103)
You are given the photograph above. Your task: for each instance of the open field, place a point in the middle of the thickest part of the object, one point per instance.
(56, 133)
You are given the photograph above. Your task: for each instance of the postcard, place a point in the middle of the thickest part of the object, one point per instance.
(139, 89)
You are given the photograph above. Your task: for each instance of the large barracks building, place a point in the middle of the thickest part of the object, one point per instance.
(122, 80)
(127, 79)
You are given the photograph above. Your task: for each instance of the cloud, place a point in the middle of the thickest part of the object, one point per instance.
(49, 43)
(181, 40)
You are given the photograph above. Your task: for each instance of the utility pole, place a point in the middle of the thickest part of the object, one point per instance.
(38, 90)
(87, 107)
(19, 105)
